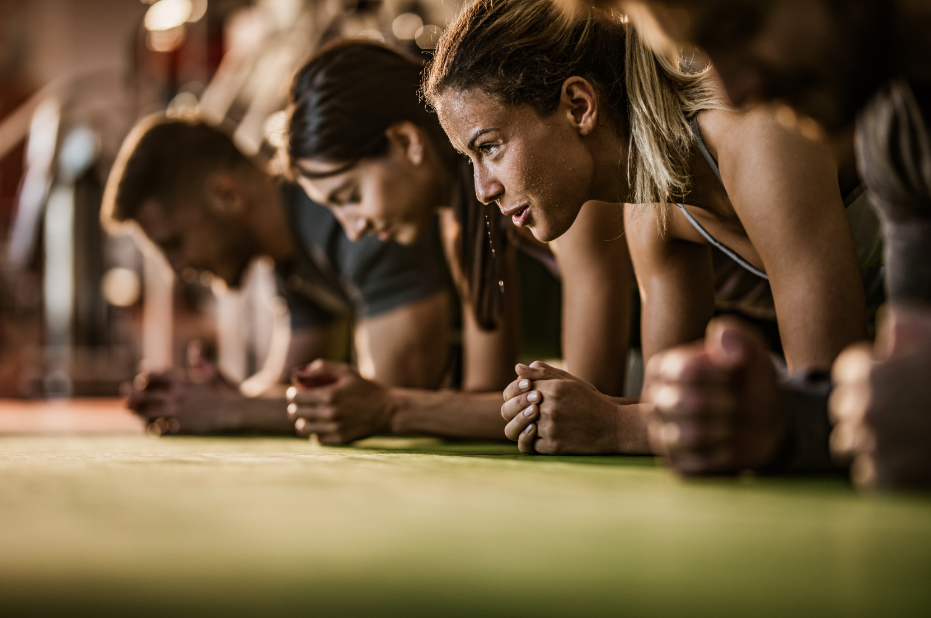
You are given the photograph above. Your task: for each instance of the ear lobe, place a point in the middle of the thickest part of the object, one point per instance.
(578, 95)
(226, 195)
(407, 137)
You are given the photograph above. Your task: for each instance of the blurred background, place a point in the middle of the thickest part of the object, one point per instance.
(82, 311)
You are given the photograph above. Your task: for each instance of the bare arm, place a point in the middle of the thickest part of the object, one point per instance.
(340, 406)
(550, 411)
(408, 346)
(449, 414)
(676, 282)
(596, 288)
(784, 189)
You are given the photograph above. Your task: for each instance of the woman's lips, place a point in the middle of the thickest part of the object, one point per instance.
(385, 234)
(519, 218)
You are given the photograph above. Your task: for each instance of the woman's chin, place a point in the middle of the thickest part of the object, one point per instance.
(545, 233)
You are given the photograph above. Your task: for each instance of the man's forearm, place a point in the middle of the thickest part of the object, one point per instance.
(451, 414)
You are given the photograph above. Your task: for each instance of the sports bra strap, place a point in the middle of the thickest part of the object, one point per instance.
(701, 230)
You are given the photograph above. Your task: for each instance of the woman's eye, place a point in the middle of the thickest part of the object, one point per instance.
(347, 200)
(487, 148)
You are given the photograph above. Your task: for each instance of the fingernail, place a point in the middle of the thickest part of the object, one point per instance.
(528, 412)
(291, 392)
(529, 429)
(299, 424)
(533, 396)
(523, 385)
(731, 343)
(292, 408)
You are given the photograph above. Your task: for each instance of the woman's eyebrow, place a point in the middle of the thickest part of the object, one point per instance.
(478, 134)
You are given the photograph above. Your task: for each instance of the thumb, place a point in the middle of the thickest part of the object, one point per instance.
(903, 330)
(731, 344)
(538, 370)
(321, 372)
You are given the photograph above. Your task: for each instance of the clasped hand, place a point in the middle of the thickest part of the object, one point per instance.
(333, 401)
(551, 412)
(717, 404)
(173, 402)
(881, 404)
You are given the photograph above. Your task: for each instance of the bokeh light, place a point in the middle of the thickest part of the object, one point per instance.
(168, 14)
(428, 36)
(121, 287)
(406, 25)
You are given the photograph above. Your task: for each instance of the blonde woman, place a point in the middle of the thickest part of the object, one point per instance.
(554, 110)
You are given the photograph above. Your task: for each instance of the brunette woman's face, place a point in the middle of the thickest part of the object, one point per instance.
(391, 197)
(537, 169)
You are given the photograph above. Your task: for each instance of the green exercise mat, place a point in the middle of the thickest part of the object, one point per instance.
(132, 525)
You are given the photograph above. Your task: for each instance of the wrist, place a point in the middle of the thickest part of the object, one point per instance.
(265, 414)
(397, 402)
(631, 429)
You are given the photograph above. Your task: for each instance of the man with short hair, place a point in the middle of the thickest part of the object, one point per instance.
(210, 208)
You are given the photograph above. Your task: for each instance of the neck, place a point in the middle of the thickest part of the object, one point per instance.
(609, 177)
(269, 220)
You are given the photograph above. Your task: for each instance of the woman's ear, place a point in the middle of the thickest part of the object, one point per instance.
(409, 139)
(580, 104)
(225, 193)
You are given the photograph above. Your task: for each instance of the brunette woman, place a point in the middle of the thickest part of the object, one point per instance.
(362, 143)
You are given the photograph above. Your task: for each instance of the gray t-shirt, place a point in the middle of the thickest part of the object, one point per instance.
(331, 276)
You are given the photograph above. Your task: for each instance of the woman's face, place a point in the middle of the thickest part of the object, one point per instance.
(392, 197)
(537, 169)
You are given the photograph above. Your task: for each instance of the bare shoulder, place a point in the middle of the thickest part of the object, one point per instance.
(742, 137)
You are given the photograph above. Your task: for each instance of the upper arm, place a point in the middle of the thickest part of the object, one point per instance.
(597, 281)
(407, 346)
(676, 281)
(785, 191)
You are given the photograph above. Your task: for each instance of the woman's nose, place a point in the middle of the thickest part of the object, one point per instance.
(487, 188)
(353, 225)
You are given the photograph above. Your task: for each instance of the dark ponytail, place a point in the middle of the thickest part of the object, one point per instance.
(343, 101)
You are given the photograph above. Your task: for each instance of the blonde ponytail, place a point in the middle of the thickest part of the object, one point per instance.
(662, 99)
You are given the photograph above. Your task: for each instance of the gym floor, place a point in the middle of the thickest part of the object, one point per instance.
(106, 520)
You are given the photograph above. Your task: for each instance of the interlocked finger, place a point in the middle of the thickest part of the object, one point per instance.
(515, 388)
(516, 405)
(519, 423)
(526, 439)
(311, 412)
(304, 427)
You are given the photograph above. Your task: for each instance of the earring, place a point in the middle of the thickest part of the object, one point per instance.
(417, 153)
